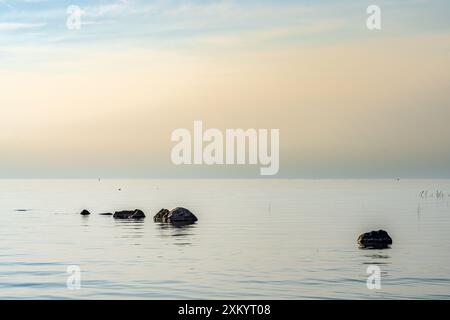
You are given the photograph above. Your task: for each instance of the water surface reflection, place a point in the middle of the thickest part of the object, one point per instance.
(180, 233)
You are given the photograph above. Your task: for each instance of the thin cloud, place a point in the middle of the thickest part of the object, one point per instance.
(10, 26)
(107, 9)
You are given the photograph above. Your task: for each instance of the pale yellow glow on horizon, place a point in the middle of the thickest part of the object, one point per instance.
(355, 99)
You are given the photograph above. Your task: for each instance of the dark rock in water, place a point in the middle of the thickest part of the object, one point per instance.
(106, 214)
(161, 215)
(181, 215)
(123, 214)
(177, 215)
(136, 214)
(375, 240)
(85, 213)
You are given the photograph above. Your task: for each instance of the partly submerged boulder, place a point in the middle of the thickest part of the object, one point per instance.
(85, 213)
(161, 215)
(136, 214)
(375, 240)
(181, 215)
(177, 215)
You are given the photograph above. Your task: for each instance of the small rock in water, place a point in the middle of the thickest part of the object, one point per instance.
(375, 240)
(85, 213)
(136, 214)
(161, 215)
(177, 215)
(106, 214)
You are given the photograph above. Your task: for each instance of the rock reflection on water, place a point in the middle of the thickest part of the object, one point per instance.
(84, 221)
(181, 232)
(378, 258)
(133, 229)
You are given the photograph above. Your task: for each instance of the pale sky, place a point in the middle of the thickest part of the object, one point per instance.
(102, 101)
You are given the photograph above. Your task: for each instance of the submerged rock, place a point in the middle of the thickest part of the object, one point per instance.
(85, 213)
(161, 215)
(181, 215)
(106, 214)
(177, 215)
(136, 214)
(375, 239)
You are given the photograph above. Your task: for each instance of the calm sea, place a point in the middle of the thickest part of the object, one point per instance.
(255, 239)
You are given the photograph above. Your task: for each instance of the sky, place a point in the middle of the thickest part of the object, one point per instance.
(102, 100)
